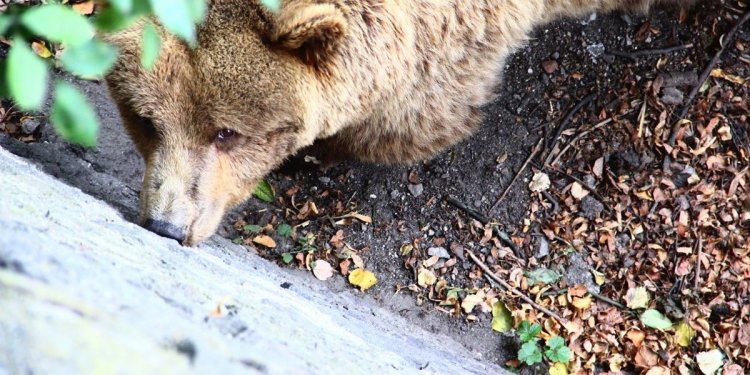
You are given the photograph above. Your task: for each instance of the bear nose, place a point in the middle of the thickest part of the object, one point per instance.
(165, 229)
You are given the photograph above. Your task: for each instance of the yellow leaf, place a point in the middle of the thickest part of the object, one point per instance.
(645, 195)
(470, 301)
(426, 278)
(599, 277)
(683, 334)
(718, 73)
(637, 298)
(558, 369)
(582, 303)
(363, 279)
(265, 241)
(41, 50)
(502, 320)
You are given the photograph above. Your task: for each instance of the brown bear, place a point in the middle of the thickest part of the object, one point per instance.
(383, 81)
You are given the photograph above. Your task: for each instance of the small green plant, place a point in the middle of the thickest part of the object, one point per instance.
(24, 75)
(284, 230)
(305, 244)
(251, 229)
(531, 353)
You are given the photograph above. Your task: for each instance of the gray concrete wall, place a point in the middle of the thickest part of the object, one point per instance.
(83, 291)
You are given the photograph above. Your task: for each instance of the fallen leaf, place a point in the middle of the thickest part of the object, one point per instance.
(41, 50)
(543, 275)
(654, 319)
(637, 298)
(363, 279)
(582, 303)
(658, 370)
(719, 73)
(502, 319)
(683, 334)
(540, 182)
(85, 8)
(265, 241)
(322, 270)
(636, 337)
(470, 301)
(709, 362)
(733, 369)
(558, 369)
(599, 278)
(577, 191)
(426, 278)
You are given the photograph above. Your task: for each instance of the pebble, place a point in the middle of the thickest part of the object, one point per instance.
(542, 249)
(550, 66)
(29, 125)
(416, 189)
(590, 207)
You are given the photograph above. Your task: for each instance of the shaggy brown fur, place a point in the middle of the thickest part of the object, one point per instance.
(385, 81)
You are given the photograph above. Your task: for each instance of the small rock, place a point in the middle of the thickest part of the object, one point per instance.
(438, 251)
(542, 249)
(416, 189)
(622, 242)
(672, 96)
(324, 179)
(590, 181)
(29, 125)
(550, 66)
(595, 50)
(590, 207)
(395, 194)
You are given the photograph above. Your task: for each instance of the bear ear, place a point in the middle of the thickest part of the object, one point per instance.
(312, 30)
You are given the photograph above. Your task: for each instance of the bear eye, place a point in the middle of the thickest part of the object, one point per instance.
(225, 135)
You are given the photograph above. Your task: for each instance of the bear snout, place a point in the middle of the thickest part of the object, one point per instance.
(166, 229)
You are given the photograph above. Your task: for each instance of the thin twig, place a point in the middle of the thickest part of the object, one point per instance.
(583, 134)
(706, 73)
(698, 264)
(503, 236)
(513, 290)
(608, 300)
(534, 151)
(591, 190)
(634, 55)
(564, 123)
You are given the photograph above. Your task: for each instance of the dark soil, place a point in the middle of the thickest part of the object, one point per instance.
(529, 105)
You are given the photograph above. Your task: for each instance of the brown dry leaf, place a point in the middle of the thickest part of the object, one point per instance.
(472, 300)
(636, 336)
(637, 298)
(265, 241)
(85, 8)
(743, 336)
(646, 358)
(344, 267)
(732, 369)
(582, 303)
(658, 370)
(578, 290)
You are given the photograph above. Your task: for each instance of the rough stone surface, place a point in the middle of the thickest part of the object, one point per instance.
(85, 291)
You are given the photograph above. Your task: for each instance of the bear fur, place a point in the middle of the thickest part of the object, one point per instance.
(380, 80)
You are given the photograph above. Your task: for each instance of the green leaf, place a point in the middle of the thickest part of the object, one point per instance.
(26, 74)
(284, 230)
(90, 60)
(654, 319)
(528, 331)
(5, 22)
(530, 353)
(543, 275)
(251, 228)
(197, 10)
(502, 320)
(110, 19)
(272, 5)
(264, 191)
(556, 350)
(151, 46)
(176, 17)
(58, 23)
(123, 6)
(287, 258)
(73, 116)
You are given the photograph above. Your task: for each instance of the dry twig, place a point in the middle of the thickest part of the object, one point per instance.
(634, 55)
(564, 123)
(534, 151)
(513, 290)
(503, 236)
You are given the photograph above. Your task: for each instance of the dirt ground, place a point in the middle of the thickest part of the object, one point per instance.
(407, 204)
